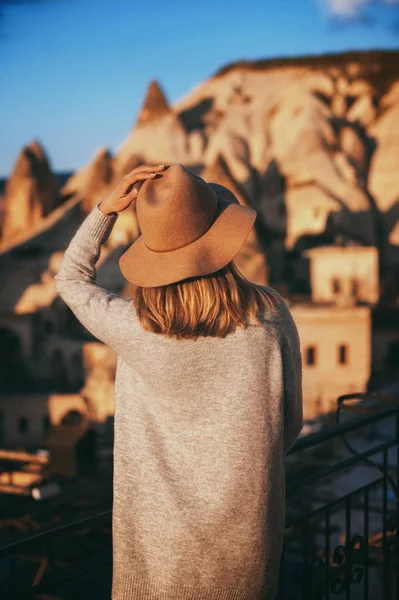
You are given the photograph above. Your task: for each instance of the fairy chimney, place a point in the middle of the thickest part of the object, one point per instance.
(155, 105)
(31, 192)
(93, 181)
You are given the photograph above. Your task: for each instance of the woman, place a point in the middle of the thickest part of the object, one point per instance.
(208, 391)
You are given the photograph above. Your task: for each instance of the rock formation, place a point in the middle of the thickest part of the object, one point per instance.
(93, 181)
(158, 132)
(155, 105)
(31, 192)
(309, 142)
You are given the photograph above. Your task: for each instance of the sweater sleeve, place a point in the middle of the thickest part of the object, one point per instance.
(292, 368)
(99, 310)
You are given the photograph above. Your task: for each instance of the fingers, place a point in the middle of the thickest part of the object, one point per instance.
(134, 188)
(149, 168)
(143, 170)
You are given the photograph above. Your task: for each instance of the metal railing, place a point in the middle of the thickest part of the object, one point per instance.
(346, 545)
(340, 540)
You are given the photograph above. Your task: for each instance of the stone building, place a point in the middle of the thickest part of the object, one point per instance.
(336, 353)
(334, 272)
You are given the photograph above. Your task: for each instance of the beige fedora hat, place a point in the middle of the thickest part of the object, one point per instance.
(189, 228)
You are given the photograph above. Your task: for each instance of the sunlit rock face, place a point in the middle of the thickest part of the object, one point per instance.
(384, 170)
(92, 181)
(31, 193)
(158, 132)
(297, 136)
(309, 142)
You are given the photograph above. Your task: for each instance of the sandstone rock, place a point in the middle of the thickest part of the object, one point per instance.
(346, 168)
(196, 144)
(384, 170)
(360, 87)
(122, 165)
(155, 105)
(308, 208)
(342, 85)
(93, 181)
(339, 106)
(303, 142)
(163, 141)
(158, 135)
(392, 97)
(31, 192)
(363, 110)
(353, 147)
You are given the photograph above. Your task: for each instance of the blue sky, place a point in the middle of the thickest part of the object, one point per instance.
(74, 72)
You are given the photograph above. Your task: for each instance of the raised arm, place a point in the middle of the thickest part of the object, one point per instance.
(103, 313)
(98, 309)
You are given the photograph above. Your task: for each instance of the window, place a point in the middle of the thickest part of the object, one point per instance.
(354, 287)
(343, 354)
(72, 417)
(310, 355)
(336, 285)
(23, 425)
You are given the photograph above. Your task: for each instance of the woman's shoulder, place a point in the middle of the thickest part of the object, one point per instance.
(278, 301)
(278, 311)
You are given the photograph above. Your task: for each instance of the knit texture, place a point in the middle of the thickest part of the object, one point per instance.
(201, 431)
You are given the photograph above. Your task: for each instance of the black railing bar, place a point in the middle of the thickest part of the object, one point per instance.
(70, 525)
(327, 553)
(53, 530)
(366, 512)
(313, 439)
(342, 465)
(348, 536)
(397, 507)
(309, 497)
(334, 503)
(384, 525)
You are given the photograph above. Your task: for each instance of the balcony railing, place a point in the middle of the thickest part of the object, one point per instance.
(341, 535)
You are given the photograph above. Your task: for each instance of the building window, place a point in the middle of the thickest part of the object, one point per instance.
(23, 424)
(343, 354)
(72, 417)
(311, 355)
(336, 285)
(46, 423)
(354, 287)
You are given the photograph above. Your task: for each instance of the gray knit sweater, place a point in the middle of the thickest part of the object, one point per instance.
(201, 430)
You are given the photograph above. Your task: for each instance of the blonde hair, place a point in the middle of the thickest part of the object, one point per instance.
(212, 305)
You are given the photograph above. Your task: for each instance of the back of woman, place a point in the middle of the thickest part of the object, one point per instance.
(208, 392)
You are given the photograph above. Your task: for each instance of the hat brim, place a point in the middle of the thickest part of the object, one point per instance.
(211, 252)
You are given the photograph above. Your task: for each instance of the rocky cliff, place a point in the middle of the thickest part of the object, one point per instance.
(312, 143)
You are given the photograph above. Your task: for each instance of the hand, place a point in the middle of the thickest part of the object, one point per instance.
(127, 189)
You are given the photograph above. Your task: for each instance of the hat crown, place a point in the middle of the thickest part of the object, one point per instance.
(175, 209)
